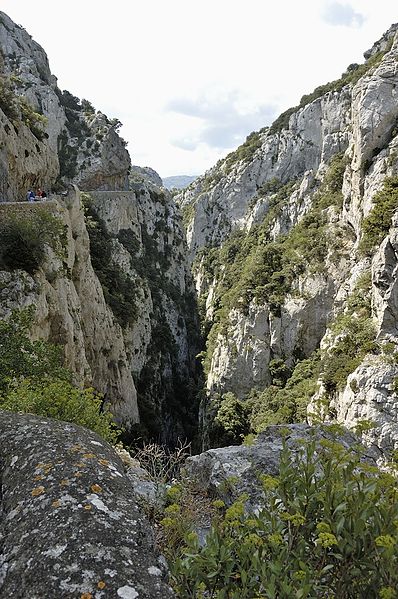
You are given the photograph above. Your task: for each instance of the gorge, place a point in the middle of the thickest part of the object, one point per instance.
(265, 294)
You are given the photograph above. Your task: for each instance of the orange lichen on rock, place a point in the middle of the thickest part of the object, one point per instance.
(86, 596)
(64, 482)
(101, 585)
(89, 456)
(56, 503)
(96, 488)
(38, 491)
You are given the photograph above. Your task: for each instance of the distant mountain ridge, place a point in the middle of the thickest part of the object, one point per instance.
(178, 181)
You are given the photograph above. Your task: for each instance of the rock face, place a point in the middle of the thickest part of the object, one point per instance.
(150, 345)
(129, 324)
(275, 235)
(147, 243)
(70, 526)
(140, 174)
(72, 143)
(71, 311)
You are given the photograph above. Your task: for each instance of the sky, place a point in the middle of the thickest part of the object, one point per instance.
(191, 79)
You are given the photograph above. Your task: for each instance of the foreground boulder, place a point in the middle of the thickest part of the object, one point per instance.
(228, 472)
(70, 525)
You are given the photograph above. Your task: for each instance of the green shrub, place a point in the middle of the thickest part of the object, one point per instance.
(21, 357)
(328, 528)
(232, 418)
(16, 107)
(8, 100)
(355, 332)
(59, 399)
(34, 380)
(378, 222)
(288, 404)
(34, 120)
(24, 237)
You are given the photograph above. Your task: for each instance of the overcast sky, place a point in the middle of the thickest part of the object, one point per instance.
(191, 79)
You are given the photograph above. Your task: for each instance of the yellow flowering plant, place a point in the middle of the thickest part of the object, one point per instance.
(327, 528)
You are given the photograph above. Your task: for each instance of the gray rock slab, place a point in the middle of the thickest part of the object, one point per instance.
(70, 526)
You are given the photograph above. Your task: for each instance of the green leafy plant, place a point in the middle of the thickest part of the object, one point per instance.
(59, 399)
(21, 357)
(328, 528)
(288, 404)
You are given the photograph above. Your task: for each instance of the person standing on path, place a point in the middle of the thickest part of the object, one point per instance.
(30, 196)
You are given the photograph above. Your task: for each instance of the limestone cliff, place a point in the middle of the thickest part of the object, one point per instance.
(120, 299)
(283, 234)
(48, 136)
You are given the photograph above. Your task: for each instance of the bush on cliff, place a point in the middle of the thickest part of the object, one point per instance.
(17, 108)
(24, 237)
(59, 399)
(378, 222)
(34, 380)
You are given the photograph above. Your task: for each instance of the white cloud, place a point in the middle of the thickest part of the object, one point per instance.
(224, 120)
(336, 13)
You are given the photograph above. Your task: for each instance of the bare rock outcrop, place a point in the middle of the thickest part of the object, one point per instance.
(70, 525)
